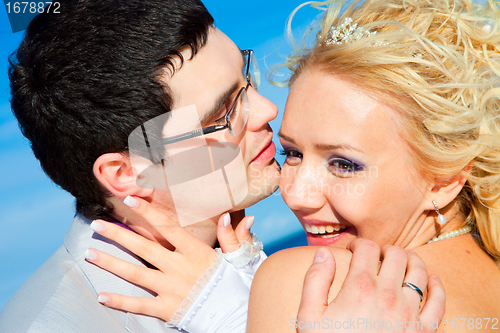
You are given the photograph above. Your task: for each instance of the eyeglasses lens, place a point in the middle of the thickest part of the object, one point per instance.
(253, 71)
(238, 118)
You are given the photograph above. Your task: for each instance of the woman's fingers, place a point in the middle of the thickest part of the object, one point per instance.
(138, 275)
(242, 231)
(230, 239)
(434, 307)
(226, 235)
(170, 291)
(148, 250)
(159, 224)
(152, 306)
(317, 283)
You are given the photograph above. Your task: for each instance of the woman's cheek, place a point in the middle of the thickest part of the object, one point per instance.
(288, 174)
(284, 177)
(350, 200)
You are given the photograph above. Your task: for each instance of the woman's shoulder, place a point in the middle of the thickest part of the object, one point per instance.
(293, 263)
(277, 287)
(307, 251)
(470, 277)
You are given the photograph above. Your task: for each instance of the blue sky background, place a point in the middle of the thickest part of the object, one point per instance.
(35, 214)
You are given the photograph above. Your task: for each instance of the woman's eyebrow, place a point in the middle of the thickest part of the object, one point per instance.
(343, 146)
(321, 146)
(286, 138)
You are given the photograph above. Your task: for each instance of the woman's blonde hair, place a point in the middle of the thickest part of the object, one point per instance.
(438, 63)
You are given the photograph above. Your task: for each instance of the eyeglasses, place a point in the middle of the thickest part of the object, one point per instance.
(237, 116)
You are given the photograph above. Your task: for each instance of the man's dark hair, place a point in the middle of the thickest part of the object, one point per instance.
(84, 79)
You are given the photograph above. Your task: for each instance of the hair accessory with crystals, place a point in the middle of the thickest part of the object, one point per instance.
(347, 32)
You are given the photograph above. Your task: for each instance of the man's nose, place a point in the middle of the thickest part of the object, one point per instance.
(262, 110)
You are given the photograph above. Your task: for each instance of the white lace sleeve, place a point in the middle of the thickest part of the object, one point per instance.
(245, 254)
(219, 301)
(247, 259)
(197, 289)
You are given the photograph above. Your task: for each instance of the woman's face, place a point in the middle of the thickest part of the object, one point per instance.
(348, 172)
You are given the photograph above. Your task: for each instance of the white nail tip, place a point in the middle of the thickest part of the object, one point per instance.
(103, 299)
(97, 226)
(130, 201)
(227, 220)
(91, 255)
(250, 221)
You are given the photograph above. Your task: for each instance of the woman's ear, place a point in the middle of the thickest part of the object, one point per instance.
(115, 172)
(445, 191)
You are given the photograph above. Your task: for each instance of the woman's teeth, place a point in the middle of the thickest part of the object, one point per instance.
(325, 231)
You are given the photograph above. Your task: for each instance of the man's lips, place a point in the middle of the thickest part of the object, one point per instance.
(266, 154)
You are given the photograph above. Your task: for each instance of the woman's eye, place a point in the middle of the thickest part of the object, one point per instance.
(290, 153)
(344, 166)
(293, 157)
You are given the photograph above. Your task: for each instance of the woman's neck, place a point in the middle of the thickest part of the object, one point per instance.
(426, 227)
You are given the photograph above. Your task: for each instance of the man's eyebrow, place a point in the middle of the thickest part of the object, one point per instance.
(320, 146)
(219, 103)
(243, 66)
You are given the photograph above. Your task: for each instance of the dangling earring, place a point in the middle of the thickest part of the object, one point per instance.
(440, 219)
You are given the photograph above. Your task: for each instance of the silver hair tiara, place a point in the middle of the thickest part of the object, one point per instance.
(346, 33)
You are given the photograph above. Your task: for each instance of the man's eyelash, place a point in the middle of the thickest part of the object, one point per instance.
(221, 120)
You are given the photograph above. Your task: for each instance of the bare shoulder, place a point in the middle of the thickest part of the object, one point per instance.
(470, 277)
(277, 287)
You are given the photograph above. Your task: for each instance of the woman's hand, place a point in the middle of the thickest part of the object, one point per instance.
(177, 271)
(371, 299)
(229, 239)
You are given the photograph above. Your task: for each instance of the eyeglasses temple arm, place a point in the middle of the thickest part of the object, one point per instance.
(193, 134)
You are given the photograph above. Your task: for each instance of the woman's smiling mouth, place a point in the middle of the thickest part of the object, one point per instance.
(325, 231)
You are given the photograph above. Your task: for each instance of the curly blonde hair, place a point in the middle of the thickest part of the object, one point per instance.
(438, 63)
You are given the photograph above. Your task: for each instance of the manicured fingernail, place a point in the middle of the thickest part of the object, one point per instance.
(320, 256)
(97, 226)
(103, 299)
(91, 255)
(437, 278)
(131, 202)
(250, 221)
(227, 220)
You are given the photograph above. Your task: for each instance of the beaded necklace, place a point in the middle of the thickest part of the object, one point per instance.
(451, 234)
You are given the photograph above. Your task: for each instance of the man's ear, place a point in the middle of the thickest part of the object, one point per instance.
(445, 191)
(115, 172)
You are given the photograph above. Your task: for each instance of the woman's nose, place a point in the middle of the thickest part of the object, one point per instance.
(303, 188)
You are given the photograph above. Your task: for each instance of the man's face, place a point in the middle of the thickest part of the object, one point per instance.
(210, 82)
